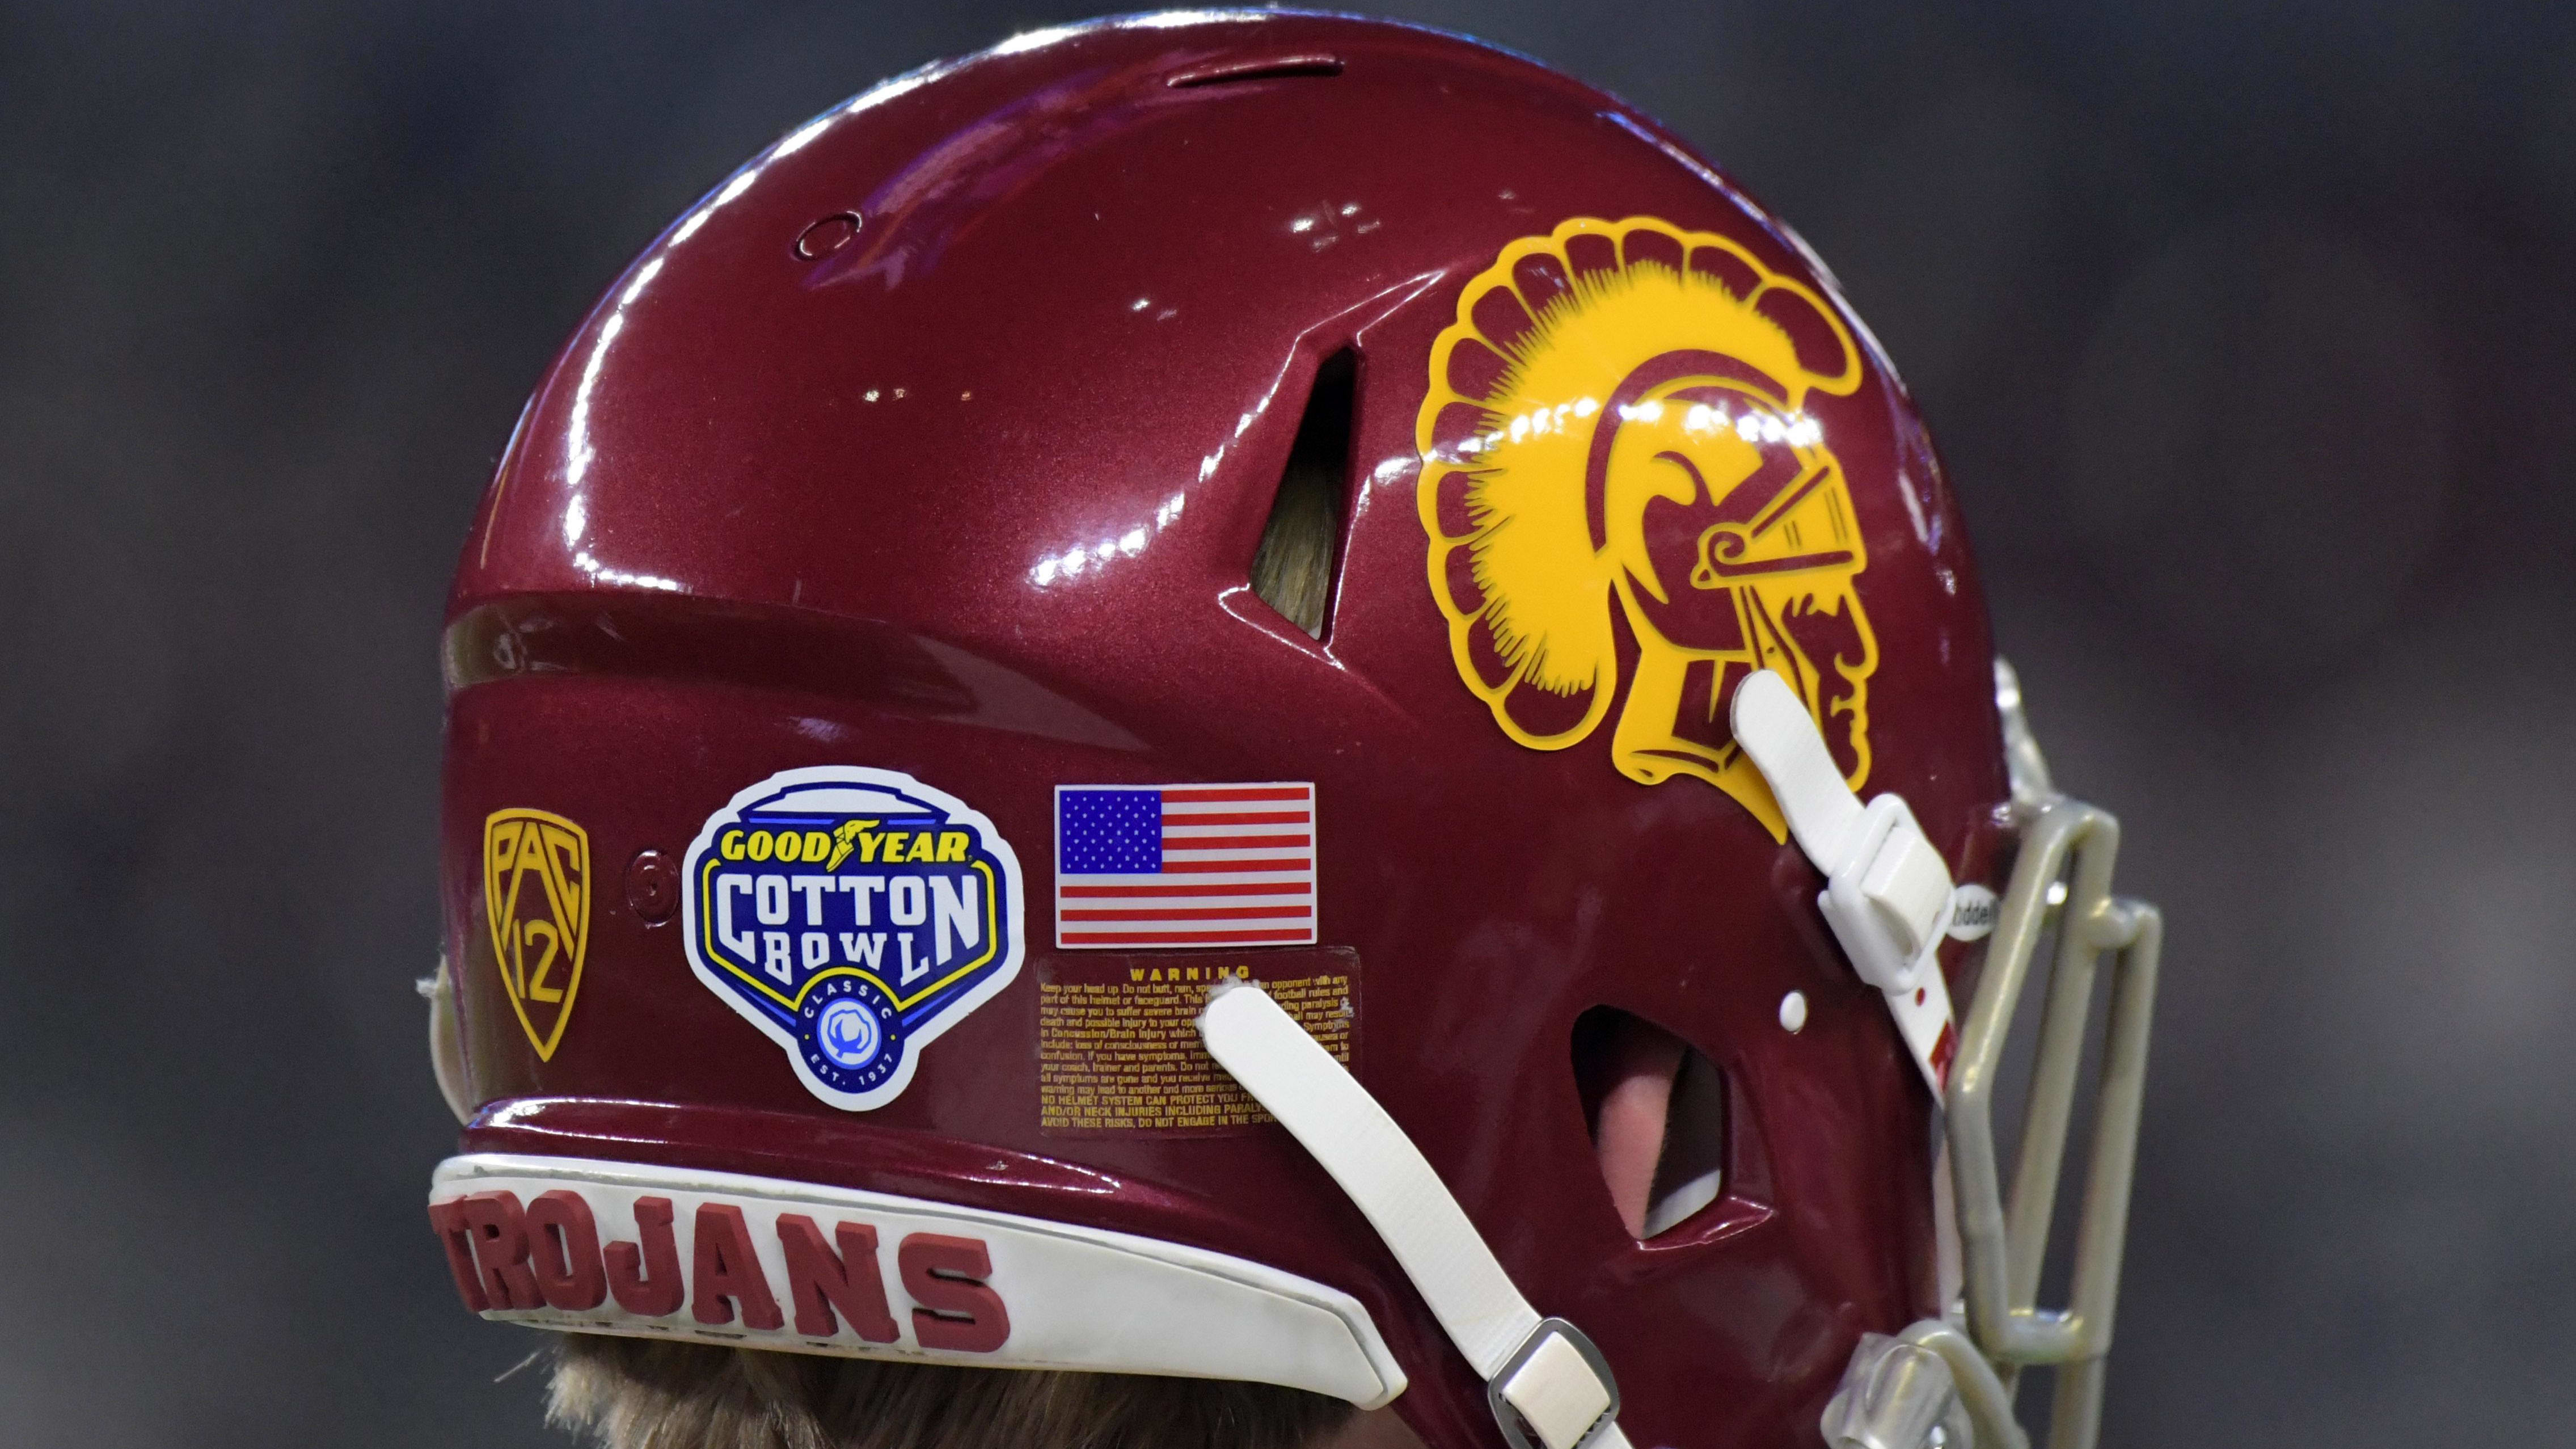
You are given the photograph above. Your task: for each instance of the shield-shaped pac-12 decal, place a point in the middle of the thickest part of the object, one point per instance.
(536, 895)
(853, 915)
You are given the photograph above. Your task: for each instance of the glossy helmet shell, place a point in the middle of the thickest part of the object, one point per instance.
(802, 491)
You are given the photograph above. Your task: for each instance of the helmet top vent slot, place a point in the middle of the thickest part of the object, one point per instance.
(1293, 568)
(1268, 67)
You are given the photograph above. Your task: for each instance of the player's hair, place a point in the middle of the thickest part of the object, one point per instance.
(1292, 569)
(631, 1393)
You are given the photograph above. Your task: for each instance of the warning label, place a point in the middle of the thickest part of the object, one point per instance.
(1118, 1041)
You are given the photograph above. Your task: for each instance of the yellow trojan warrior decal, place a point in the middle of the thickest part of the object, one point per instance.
(536, 895)
(1617, 425)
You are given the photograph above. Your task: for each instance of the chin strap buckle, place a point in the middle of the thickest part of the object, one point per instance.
(1888, 894)
(1555, 1385)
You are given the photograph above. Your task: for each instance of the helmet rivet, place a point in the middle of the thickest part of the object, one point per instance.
(1793, 1011)
(828, 235)
(652, 886)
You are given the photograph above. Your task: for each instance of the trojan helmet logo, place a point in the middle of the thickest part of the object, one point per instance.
(536, 894)
(1617, 425)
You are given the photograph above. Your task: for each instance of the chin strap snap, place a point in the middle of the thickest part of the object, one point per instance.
(1887, 892)
(1547, 1383)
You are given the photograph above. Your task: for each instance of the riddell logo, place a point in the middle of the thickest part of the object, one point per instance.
(545, 1256)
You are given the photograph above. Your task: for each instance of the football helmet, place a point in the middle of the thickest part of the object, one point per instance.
(1272, 697)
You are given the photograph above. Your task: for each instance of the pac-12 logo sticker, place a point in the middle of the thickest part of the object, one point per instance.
(853, 915)
(536, 897)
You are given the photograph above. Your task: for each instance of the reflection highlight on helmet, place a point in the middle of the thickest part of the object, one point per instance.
(1073, 562)
(579, 454)
(1753, 425)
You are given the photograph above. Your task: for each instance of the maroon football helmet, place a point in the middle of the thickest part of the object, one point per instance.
(1265, 696)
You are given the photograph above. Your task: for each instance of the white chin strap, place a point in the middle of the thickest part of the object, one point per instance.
(1887, 893)
(1546, 1382)
(1889, 900)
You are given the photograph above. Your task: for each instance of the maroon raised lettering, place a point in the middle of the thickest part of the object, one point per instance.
(726, 1268)
(447, 1219)
(957, 1309)
(823, 1280)
(647, 1283)
(500, 1234)
(563, 1251)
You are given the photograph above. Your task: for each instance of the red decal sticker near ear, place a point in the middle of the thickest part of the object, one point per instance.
(447, 1219)
(494, 1222)
(823, 1280)
(726, 1268)
(563, 1251)
(958, 1310)
(647, 1282)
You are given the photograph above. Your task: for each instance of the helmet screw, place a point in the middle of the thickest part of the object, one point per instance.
(652, 886)
(828, 235)
(1793, 1012)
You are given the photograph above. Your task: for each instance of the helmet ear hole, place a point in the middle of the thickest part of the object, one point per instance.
(1656, 1109)
(1293, 568)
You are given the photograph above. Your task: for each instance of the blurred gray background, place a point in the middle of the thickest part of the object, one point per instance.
(2245, 328)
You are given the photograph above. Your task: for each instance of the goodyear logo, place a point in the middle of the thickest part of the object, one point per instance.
(536, 895)
(853, 915)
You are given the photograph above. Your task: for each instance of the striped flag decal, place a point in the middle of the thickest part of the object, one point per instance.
(1184, 865)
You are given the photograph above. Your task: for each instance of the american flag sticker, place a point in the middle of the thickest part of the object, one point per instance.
(1184, 865)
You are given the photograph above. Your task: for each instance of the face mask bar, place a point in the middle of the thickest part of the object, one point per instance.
(2005, 1247)
(2062, 877)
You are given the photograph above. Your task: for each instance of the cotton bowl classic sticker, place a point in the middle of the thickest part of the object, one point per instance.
(853, 915)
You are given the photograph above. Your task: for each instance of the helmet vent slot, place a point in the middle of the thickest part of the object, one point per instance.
(1656, 1108)
(1272, 67)
(1293, 568)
